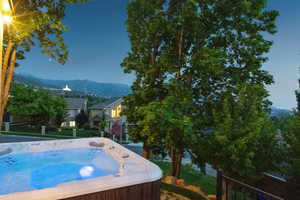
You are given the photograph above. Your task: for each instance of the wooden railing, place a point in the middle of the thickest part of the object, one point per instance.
(232, 189)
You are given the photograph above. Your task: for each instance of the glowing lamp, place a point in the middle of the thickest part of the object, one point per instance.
(6, 6)
(86, 171)
(7, 19)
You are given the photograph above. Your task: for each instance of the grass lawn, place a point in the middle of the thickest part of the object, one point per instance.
(181, 191)
(192, 177)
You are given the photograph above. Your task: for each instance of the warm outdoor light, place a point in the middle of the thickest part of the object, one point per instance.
(6, 12)
(6, 6)
(7, 19)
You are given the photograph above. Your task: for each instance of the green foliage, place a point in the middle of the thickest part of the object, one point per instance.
(39, 106)
(200, 85)
(40, 21)
(145, 32)
(94, 100)
(81, 119)
(60, 118)
(165, 122)
(292, 138)
(280, 121)
(291, 133)
(103, 123)
(243, 140)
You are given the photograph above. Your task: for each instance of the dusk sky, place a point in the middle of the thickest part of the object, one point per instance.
(98, 42)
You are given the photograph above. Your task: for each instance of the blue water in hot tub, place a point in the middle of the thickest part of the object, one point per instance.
(29, 171)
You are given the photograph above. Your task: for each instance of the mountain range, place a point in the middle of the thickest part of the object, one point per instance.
(279, 112)
(107, 90)
(88, 87)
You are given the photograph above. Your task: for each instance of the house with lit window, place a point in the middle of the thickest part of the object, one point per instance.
(113, 110)
(110, 111)
(74, 107)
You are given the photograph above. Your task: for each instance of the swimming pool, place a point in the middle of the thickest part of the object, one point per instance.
(72, 169)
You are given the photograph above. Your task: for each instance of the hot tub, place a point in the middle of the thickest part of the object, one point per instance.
(91, 168)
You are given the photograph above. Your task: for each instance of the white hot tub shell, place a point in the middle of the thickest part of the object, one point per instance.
(134, 169)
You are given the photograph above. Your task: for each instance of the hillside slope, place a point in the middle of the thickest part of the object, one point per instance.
(84, 86)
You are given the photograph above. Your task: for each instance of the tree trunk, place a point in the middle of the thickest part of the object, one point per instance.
(178, 165)
(146, 151)
(219, 185)
(173, 162)
(176, 162)
(5, 65)
(7, 73)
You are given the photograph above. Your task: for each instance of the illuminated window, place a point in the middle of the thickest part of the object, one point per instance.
(115, 113)
(72, 123)
(119, 109)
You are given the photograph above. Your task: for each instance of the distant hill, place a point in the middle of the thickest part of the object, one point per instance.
(108, 90)
(31, 81)
(92, 87)
(83, 86)
(278, 112)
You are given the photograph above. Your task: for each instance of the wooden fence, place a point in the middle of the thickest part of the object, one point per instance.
(268, 188)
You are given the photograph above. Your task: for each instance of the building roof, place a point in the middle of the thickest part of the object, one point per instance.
(76, 103)
(115, 103)
(107, 104)
(98, 106)
(57, 92)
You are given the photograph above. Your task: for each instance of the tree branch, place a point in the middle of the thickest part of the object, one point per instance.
(180, 50)
(5, 66)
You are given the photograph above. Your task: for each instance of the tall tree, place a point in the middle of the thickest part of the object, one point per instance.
(228, 71)
(206, 49)
(242, 140)
(35, 22)
(292, 139)
(167, 125)
(145, 22)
